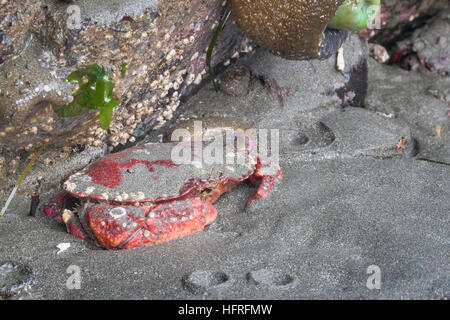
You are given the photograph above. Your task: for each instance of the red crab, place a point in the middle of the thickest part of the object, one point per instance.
(139, 196)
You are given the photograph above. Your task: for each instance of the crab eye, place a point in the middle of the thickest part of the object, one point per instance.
(117, 212)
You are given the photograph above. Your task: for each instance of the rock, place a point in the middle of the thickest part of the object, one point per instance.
(15, 21)
(431, 43)
(417, 99)
(26, 114)
(397, 19)
(163, 43)
(380, 53)
(427, 47)
(353, 133)
(14, 277)
(236, 81)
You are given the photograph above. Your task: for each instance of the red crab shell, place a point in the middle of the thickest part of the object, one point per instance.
(146, 174)
(140, 196)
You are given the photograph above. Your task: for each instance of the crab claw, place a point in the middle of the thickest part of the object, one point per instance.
(264, 177)
(73, 224)
(129, 226)
(53, 208)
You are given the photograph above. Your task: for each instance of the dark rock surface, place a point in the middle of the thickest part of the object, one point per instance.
(432, 43)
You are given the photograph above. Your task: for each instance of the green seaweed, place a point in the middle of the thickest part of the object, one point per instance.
(213, 42)
(95, 92)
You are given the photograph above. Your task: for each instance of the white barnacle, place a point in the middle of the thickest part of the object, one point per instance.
(140, 195)
(146, 233)
(125, 196)
(152, 215)
(173, 219)
(190, 78)
(170, 55)
(230, 168)
(70, 186)
(198, 79)
(105, 195)
(246, 49)
(194, 56)
(154, 85)
(89, 190)
(117, 212)
(164, 93)
(182, 73)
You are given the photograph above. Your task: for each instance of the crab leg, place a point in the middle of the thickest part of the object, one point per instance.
(264, 177)
(73, 224)
(54, 208)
